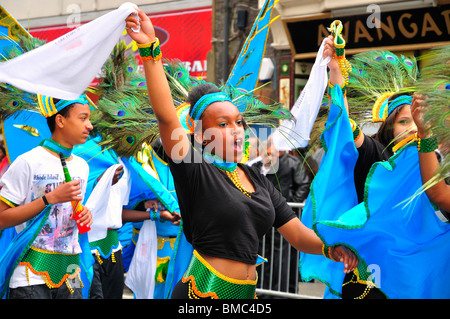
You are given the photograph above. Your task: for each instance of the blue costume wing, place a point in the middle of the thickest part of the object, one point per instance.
(396, 232)
(10, 29)
(17, 249)
(333, 183)
(398, 238)
(23, 132)
(245, 73)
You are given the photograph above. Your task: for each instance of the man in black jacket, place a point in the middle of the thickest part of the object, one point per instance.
(286, 172)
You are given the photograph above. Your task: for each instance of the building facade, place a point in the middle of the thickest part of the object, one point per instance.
(183, 26)
(405, 27)
(207, 35)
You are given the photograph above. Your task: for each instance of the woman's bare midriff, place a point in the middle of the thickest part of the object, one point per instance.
(231, 268)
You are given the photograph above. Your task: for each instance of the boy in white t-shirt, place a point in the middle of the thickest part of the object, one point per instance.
(34, 182)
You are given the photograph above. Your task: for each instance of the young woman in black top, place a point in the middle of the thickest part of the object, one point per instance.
(224, 210)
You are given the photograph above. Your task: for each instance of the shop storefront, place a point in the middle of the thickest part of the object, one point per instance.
(408, 31)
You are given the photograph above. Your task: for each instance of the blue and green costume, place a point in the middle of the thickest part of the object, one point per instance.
(395, 232)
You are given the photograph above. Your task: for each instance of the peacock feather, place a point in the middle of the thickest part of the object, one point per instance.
(253, 110)
(434, 83)
(125, 120)
(375, 74)
(180, 81)
(120, 71)
(124, 117)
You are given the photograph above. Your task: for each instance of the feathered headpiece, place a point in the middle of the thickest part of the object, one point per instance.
(375, 77)
(126, 120)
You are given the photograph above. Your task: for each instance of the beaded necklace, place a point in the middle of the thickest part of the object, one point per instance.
(234, 176)
(230, 169)
(403, 142)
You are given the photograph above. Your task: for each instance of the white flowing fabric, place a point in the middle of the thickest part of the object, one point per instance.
(295, 133)
(141, 274)
(64, 67)
(106, 202)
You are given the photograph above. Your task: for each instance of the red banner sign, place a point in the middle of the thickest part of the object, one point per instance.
(184, 35)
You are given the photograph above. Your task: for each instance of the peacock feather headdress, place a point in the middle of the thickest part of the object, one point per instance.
(376, 76)
(127, 122)
(125, 118)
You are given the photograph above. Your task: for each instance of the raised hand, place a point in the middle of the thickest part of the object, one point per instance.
(417, 106)
(330, 51)
(146, 34)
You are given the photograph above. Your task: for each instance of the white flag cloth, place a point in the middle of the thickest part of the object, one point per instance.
(295, 133)
(141, 274)
(64, 67)
(106, 202)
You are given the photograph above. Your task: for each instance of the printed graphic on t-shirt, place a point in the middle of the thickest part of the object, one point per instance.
(59, 232)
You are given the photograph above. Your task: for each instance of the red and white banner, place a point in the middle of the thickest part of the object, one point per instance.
(184, 35)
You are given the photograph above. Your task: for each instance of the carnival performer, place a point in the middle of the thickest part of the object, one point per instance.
(225, 207)
(108, 268)
(107, 190)
(38, 262)
(393, 228)
(148, 267)
(396, 126)
(140, 191)
(392, 109)
(115, 200)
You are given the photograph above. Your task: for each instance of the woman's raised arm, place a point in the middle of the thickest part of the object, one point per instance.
(173, 136)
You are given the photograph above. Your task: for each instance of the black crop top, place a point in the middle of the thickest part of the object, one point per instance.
(218, 219)
(370, 151)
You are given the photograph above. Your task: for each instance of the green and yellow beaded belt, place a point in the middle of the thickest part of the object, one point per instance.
(106, 245)
(206, 282)
(54, 267)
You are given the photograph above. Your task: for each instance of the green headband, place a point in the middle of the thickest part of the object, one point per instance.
(206, 100)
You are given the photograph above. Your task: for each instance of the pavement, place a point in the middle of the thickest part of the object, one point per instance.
(127, 293)
(313, 289)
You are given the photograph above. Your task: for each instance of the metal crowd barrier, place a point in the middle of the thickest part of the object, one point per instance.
(279, 277)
